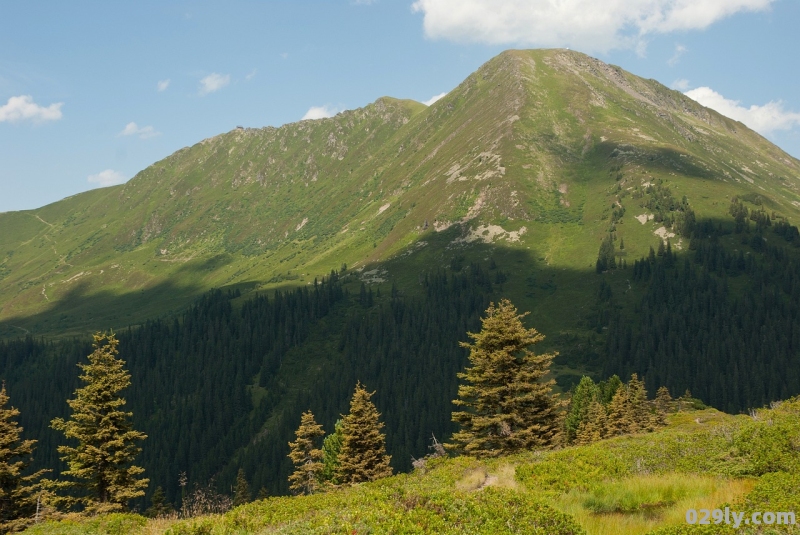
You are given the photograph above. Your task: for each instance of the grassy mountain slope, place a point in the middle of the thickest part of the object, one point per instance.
(530, 154)
(627, 485)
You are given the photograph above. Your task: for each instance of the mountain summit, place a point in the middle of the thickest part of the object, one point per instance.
(535, 152)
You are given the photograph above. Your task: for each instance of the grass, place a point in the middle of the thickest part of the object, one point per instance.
(624, 486)
(637, 505)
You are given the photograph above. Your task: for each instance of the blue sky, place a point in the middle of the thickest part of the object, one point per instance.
(93, 92)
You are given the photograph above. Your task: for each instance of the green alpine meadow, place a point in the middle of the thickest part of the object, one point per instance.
(561, 299)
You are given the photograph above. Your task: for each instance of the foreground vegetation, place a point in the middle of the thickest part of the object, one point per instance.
(633, 484)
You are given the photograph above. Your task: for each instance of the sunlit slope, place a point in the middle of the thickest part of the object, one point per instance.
(530, 152)
(629, 485)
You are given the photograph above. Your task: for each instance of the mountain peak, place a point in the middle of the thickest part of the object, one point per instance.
(533, 143)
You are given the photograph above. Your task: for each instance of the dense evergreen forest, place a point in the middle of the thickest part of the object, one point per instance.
(722, 322)
(222, 387)
(211, 389)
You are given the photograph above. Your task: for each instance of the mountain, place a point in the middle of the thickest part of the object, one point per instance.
(526, 154)
(263, 272)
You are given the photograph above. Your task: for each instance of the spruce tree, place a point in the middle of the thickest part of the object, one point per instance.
(18, 493)
(640, 408)
(330, 453)
(101, 464)
(585, 392)
(663, 403)
(621, 419)
(362, 456)
(508, 406)
(159, 506)
(593, 427)
(241, 492)
(609, 388)
(306, 456)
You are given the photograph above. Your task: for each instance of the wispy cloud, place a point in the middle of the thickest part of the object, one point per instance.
(680, 50)
(214, 82)
(109, 177)
(763, 119)
(23, 108)
(320, 112)
(251, 75)
(585, 24)
(163, 85)
(433, 99)
(681, 84)
(144, 132)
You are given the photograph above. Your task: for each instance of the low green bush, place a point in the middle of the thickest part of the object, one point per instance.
(111, 524)
(770, 441)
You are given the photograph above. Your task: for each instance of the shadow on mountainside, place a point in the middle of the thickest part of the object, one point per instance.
(83, 310)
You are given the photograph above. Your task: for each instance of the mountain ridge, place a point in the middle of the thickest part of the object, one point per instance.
(388, 230)
(527, 138)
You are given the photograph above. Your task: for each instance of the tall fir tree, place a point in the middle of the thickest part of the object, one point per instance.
(104, 477)
(621, 419)
(331, 446)
(241, 492)
(584, 394)
(508, 406)
(306, 456)
(362, 456)
(593, 427)
(640, 408)
(609, 388)
(663, 403)
(159, 506)
(18, 492)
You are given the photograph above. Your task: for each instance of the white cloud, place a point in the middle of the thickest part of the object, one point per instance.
(320, 112)
(144, 132)
(433, 99)
(214, 82)
(109, 177)
(676, 57)
(763, 119)
(589, 25)
(23, 108)
(681, 84)
(251, 75)
(163, 85)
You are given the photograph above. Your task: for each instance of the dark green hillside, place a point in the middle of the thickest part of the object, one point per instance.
(724, 323)
(221, 387)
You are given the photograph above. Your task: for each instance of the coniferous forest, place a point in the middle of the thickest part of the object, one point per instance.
(724, 324)
(205, 384)
(210, 388)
